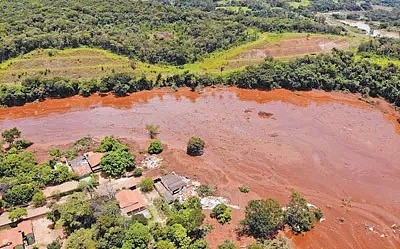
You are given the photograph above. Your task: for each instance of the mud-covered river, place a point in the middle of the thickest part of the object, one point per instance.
(329, 146)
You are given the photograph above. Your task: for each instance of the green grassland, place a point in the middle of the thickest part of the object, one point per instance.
(86, 63)
(301, 3)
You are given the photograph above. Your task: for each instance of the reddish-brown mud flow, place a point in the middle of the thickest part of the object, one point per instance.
(329, 146)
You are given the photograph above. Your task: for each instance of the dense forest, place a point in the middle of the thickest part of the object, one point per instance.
(147, 31)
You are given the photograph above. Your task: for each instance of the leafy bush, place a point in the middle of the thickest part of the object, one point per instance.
(155, 147)
(244, 189)
(195, 146)
(205, 190)
(116, 163)
(227, 245)
(299, 215)
(137, 172)
(276, 243)
(16, 214)
(39, 199)
(54, 245)
(263, 218)
(146, 184)
(222, 213)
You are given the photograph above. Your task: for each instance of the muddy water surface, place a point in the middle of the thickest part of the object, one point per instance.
(328, 146)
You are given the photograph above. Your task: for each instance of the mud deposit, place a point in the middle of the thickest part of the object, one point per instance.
(340, 152)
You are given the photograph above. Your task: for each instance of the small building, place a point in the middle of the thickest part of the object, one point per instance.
(164, 192)
(87, 164)
(173, 183)
(18, 237)
(130, 201)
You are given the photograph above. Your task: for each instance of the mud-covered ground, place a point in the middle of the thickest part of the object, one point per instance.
(340, 152)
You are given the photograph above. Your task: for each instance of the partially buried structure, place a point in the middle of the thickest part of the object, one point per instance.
(130, 201)
(87, 164)
(169, 186)
(18, 237)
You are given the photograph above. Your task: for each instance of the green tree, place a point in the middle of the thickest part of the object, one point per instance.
(20, 194)
(178, 235)
(39, 199)
(76, 213)
(300, 216)
(15, 214)
(54, 245)
(263, 218)
(155, 147)
(164, 244)
(153, 130)
(136, 237)
(116, 163)
(81, 239)
(109, 143)
(195, 146)
(146, 184)
(10, 135)
(227, 245)
(222, 213)
(199, 244)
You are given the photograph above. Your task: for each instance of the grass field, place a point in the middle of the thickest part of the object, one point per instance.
(301, 3)
(86, 63)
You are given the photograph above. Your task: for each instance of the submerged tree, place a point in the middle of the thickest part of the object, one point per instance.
(195, 146)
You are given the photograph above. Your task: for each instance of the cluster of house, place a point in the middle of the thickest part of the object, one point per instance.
(129, 197)
(131, 200)
(18, 237)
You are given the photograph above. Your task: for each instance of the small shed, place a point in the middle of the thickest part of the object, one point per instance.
(173, 183)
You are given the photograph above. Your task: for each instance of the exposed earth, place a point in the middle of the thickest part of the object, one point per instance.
(340, 152)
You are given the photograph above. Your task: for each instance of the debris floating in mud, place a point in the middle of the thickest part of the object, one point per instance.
(262, 114)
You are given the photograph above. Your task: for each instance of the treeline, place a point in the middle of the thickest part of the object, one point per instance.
(146, 31)
(328, 5)
(21, 177)
(339, 71)
(383, 46)
(386, 19)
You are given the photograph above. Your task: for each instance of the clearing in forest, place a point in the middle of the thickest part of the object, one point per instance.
(87, 63)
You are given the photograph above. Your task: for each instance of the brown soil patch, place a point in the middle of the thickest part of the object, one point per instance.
(329, 146)
(295, 47)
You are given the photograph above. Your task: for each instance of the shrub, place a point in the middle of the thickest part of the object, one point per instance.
(54, 245)
(227, 245)
(244, 189)
(222, 213)
(195, 146)
(205, 190)
(299, 215)
(137, 172)
(16, 214)
(263, 218)
(146, 184)
(155, 147)
(153, 130)
(39, 199)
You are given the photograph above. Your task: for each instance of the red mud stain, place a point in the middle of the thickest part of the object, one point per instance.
(329, 146)
(295, 46)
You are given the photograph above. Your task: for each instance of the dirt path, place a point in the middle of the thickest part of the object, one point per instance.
(329, 146)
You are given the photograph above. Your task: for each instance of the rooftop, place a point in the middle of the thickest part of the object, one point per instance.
(13, 237)
(80, 166)
(173, 182)
(130, 200)
(94, 158)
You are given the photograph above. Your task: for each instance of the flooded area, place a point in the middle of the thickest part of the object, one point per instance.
(369, 31)
(340, 152)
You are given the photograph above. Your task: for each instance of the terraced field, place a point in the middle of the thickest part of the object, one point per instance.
(86, 63)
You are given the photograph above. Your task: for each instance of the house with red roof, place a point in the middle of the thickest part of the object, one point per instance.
(130, 201)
